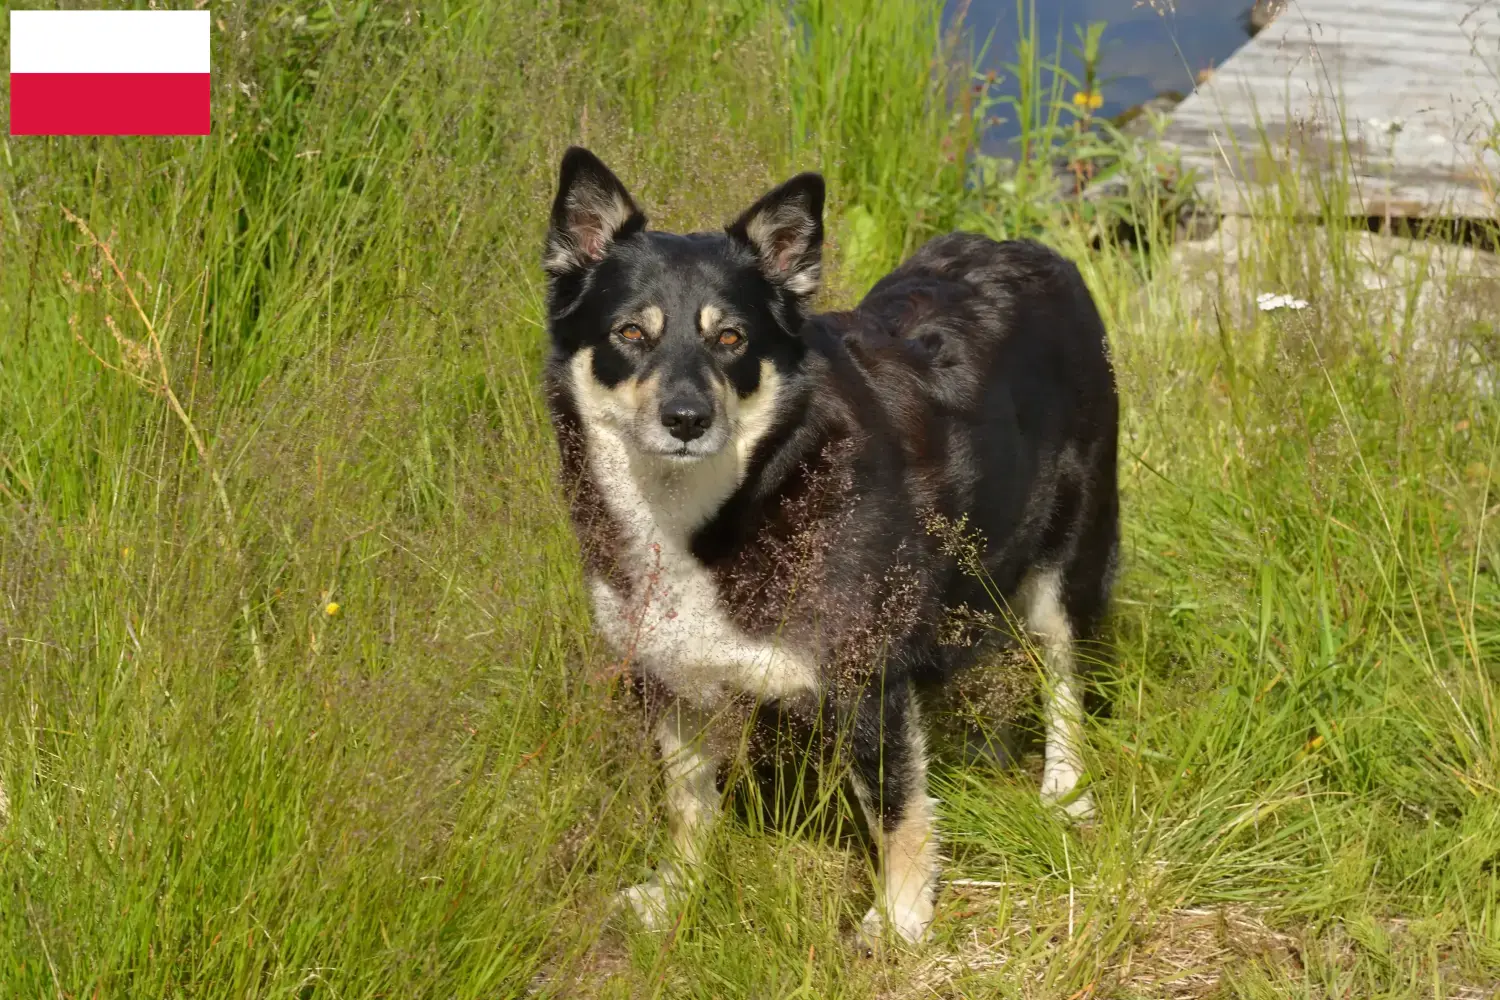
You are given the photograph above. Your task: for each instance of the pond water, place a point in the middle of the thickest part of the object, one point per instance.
(1146, 50)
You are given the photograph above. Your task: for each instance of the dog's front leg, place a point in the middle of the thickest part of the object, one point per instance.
(890, 781)
(692, 800)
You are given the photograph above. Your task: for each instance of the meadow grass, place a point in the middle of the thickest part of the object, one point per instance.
(407, 770)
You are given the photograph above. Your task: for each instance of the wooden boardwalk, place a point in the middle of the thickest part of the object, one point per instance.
(1410, 88)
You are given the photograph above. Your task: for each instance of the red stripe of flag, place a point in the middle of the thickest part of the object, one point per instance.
(109, 103)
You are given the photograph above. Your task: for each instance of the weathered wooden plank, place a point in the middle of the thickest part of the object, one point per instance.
(1402, 96)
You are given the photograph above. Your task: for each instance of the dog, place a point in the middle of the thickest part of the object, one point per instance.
(782, 508)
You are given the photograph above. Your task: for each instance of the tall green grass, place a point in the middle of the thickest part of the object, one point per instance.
(432, 783)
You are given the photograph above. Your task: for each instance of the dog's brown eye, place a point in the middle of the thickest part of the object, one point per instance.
(632, 333)
(728, 338)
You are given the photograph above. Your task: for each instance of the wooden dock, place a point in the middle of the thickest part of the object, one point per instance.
(1401, 95)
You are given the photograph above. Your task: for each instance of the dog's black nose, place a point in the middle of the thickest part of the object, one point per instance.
(686, 419)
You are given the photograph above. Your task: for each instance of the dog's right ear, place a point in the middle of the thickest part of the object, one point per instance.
(591, 211)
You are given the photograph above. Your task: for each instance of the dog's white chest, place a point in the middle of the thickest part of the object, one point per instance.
(670, 622)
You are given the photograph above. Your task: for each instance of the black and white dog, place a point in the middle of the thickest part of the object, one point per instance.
(755, 489)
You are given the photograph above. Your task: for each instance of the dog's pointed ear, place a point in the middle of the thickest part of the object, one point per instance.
(591, 211)
(785, 230)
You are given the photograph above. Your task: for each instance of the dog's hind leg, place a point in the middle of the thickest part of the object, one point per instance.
(890, 781)
(690, 771)
(1047, 618)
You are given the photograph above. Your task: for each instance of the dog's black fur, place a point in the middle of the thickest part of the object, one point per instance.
(744, 474)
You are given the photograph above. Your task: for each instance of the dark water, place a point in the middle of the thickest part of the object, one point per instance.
(1144, 53)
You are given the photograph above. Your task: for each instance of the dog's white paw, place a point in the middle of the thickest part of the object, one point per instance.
(910, 924)
(1081, 808)
(1058, 786)
(651, 902)
(1078, 808)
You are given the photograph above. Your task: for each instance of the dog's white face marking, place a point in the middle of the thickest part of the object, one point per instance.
(751, 417)
(671, 622)
(1040, 604)
(653, 321)
(633, 406)
(708, 318)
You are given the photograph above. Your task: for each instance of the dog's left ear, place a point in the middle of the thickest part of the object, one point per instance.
(785, 230)
(591, 211)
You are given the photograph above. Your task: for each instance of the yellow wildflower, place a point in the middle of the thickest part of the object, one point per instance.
(331, 609)
(1090, 99)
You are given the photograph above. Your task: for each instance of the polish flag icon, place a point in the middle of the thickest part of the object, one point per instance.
(109, 72)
